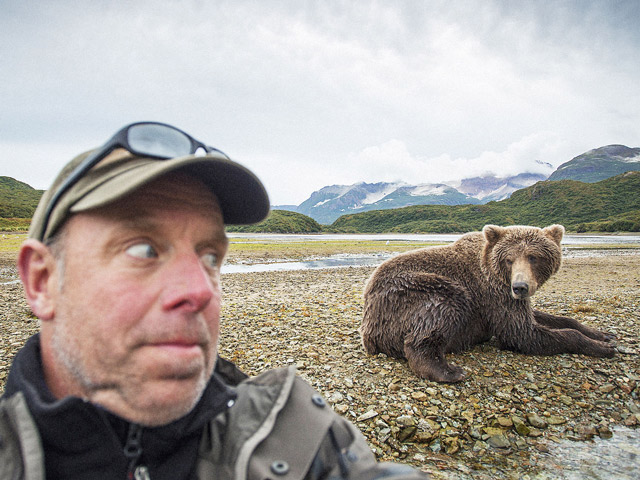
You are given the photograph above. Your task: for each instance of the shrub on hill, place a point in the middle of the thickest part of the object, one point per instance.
(14, 224)
(280, 221)
(17, 199)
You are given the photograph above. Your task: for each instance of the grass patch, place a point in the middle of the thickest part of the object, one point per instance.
(16, 225)
(242, 248)
(584, 309)
(10, 242)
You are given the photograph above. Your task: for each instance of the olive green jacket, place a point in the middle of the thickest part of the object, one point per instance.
(279, 428)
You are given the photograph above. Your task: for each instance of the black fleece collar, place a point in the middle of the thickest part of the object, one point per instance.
(83, 440)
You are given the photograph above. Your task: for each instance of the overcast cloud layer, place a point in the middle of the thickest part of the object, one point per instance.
(309, 94)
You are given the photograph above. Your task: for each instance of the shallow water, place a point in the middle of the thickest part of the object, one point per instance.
(334, 261)
(615, 458)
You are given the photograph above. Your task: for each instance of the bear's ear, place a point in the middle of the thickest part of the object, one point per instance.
(554, 232)
(492, 233)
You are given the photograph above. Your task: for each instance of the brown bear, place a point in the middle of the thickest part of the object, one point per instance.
(424, 303)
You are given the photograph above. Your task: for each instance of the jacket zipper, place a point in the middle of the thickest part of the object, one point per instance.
(133, 451)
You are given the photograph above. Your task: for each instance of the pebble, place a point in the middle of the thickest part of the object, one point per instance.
(336, 397)
(535, 420)
(499, 441)
(419, 396)
(367, 416)
(556, 420)
(505, 422)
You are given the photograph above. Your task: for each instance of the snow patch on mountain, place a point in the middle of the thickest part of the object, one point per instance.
(428, 189)
(319, 204)
(375, 196)
(500, 193)
(635, 159)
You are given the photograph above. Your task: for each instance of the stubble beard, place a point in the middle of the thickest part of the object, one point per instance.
(94, 390)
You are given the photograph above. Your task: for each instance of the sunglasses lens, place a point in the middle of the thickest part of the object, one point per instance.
(158, 141)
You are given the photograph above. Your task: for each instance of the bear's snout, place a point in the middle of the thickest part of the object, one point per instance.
(520, 290)
(523, 284)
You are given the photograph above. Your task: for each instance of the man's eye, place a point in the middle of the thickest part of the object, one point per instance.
(210, 260)
(142, 250)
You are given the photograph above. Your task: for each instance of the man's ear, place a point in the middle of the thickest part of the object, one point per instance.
(37, 267)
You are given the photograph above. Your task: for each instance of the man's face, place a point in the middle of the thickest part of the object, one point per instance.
(136, 319)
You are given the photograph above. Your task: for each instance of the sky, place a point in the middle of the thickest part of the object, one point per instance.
(315, 93)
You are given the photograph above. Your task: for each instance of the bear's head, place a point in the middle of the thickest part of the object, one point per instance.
(522, 258)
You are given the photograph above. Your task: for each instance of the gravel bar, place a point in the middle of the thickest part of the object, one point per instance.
(514, 415)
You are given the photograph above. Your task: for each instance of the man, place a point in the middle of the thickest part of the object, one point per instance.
(122, 267)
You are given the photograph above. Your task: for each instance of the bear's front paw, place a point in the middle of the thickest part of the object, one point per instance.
(451, 374)
(604, 349)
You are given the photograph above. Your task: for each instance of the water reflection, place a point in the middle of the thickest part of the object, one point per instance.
(334, 261)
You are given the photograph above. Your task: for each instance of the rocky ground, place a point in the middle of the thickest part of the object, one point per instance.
(507, 420)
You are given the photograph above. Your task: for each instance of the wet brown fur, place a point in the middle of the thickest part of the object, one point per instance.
(425, 303)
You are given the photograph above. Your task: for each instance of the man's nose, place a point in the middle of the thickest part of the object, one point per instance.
(189, 284)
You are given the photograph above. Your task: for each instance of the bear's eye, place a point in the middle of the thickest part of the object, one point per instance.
(508, 262)
(532, 260)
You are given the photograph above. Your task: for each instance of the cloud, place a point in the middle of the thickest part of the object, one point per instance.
(316, 93)
(392, 161)
(35, 164)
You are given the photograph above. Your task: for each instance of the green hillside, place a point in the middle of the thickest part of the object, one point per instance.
(280, 221)
(610, 205)
(606, 206)
(17, 199)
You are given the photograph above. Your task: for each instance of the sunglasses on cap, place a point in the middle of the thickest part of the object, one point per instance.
(145, 139)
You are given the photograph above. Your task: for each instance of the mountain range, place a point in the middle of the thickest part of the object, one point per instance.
(599, 164)
(611, 205)
(18, 200)
(331, 202)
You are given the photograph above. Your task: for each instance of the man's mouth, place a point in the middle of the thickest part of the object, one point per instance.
(179, 346)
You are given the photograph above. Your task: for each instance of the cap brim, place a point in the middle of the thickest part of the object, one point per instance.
(242, 197)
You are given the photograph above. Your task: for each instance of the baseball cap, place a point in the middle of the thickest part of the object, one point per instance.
(241, 195)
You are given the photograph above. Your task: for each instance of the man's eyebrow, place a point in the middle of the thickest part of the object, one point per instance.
(216, 239)
(137, 222)
(146, 225)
